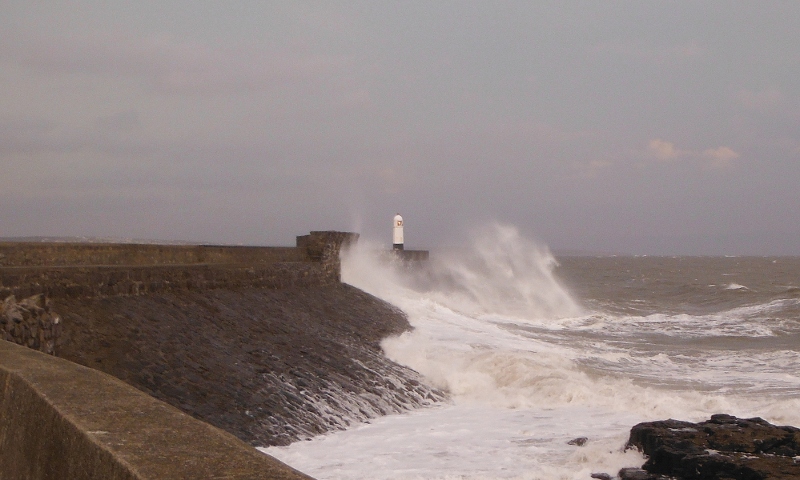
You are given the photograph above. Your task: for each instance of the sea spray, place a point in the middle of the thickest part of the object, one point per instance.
(529, 368)
(500, 272)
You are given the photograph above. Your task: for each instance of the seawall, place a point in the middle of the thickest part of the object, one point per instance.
(73, 270)
(264, 343)
(33, 274)
(59, 420)
(269, 366)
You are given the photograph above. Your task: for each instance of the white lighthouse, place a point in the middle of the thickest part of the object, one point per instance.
(397, 234)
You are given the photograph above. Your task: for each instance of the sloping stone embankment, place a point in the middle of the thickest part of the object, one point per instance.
(269, 366)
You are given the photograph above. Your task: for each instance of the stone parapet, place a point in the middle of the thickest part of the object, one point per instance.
(60, 420)
(66, 270)
(50, 254)
(325, 247)
(94, 281)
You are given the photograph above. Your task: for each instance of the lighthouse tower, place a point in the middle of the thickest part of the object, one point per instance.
(397, 234)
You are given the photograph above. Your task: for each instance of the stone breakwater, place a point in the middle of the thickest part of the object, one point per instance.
(263, 342)
(39, 272)
(78, 270)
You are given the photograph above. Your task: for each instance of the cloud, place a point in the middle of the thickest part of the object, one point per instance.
(663, 150)
(591, 168)
(720, 157)
(666, 151)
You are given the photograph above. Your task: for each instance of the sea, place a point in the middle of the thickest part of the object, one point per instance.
(536, 351)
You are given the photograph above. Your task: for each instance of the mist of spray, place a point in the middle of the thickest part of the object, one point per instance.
(501, 272)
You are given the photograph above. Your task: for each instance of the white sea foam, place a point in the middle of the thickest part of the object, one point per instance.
(468, 442)
(527, 370)
(745, 321)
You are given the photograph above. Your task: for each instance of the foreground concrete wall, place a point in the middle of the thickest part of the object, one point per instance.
(59, 420)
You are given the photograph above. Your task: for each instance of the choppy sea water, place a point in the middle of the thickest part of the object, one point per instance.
(536, 351)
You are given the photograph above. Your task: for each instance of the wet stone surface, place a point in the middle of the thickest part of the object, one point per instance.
(269, 366)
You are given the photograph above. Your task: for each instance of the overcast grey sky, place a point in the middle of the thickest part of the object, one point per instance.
(666, 127)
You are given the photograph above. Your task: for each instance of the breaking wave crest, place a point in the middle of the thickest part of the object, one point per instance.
(501, 272)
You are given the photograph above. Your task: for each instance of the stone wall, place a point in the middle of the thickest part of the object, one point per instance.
(35, 254)
(94, 281)
(251, 339)
(68, 270)
(60, 420)
(39, 272)
(30, 323)
(324, 247)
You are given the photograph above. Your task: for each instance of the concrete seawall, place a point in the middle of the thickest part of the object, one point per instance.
(264, 343)
(60, 420)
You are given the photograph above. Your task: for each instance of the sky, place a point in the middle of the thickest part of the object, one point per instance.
(656, 128)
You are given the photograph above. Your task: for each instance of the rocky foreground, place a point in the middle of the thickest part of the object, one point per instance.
(724, 447)
(269, 366)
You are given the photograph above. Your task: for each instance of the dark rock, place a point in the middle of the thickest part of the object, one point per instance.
(579, 442)
(601, 476)
(30, 323)
(638, 474)
(722, 447)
